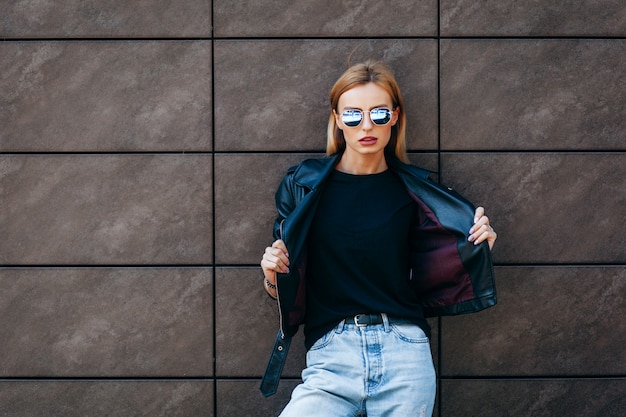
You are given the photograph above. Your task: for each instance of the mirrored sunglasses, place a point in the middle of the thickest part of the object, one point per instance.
(380, 116)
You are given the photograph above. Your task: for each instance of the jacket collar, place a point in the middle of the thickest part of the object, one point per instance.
(312, 172)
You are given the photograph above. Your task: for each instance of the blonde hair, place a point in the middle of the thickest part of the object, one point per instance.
(368, 72)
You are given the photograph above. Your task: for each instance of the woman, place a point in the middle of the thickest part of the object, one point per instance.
(366, 248)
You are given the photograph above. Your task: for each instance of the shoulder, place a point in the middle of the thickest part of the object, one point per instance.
(404, 169)
(310, 172)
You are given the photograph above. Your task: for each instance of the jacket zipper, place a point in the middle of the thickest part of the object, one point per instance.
(280, 313)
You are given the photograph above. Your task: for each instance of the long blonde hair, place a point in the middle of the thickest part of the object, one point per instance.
(368, 72)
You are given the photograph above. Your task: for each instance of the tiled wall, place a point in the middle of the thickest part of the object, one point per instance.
(142, 143)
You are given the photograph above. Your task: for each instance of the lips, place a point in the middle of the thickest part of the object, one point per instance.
(368, 140)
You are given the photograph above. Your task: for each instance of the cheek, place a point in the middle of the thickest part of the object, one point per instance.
(348, 134)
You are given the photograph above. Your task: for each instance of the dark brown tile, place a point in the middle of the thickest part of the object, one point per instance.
(531, 18)
(321, 18)
(106, 398)
(94, 19)
(247, 324)
(242, 398)
(105, 96)
(548, 321)
(534, 397)
(547, 207)
(105, 209)
(265, 100)
(533, 94)
(108, 322)
(428, 161)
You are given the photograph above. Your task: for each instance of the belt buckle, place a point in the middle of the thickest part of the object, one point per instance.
(356, 320)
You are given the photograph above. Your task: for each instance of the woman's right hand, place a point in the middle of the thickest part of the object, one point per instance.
(275, 259)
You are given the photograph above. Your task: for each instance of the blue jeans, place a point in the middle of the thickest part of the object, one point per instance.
(383, 370)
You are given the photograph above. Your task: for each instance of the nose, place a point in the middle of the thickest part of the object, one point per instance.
(367, 124)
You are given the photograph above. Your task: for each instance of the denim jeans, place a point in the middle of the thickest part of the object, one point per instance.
(383, 370)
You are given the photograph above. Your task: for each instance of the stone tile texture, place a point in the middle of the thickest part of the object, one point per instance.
(531, 94)
(105, 19)
(105, 96)
(105, 209)
(323, 18)
(73, 398)
(535, 397)
(106, 322)
(141, 144)
(533, 18)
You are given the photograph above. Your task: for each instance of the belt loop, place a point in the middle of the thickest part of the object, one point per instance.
(385, 322)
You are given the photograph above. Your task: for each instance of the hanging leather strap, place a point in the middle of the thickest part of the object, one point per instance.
(271, 378)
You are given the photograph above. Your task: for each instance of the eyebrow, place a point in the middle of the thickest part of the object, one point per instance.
(373, 107)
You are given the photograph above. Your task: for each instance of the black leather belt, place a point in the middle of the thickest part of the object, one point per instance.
(362, 320)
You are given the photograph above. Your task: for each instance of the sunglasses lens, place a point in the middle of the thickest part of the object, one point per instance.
(352, 118)
(380, 117)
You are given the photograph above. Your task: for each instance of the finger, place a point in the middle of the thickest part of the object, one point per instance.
(480, 212)
(279, 244)
(486, 233)
(492, 238)
(482, 222)
(481, 237)
(478, 230)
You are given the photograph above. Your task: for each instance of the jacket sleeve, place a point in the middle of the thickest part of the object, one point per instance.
(285, 201)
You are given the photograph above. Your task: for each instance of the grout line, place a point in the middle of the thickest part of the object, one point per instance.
(213, 210)
(208, 378)
(438, 392)
(308, 38)
(320, 151)
(245, 265)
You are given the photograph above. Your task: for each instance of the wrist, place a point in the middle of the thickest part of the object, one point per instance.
(270, 288)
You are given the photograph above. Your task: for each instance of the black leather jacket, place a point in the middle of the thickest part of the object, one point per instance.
(451, 275)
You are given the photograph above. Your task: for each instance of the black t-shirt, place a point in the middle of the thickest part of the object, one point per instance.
(358, 253)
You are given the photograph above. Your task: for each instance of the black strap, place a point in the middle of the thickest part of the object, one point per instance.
(271, 378)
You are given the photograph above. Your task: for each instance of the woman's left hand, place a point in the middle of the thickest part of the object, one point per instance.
(482, 230)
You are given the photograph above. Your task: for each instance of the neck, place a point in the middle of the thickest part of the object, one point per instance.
(362, 164)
